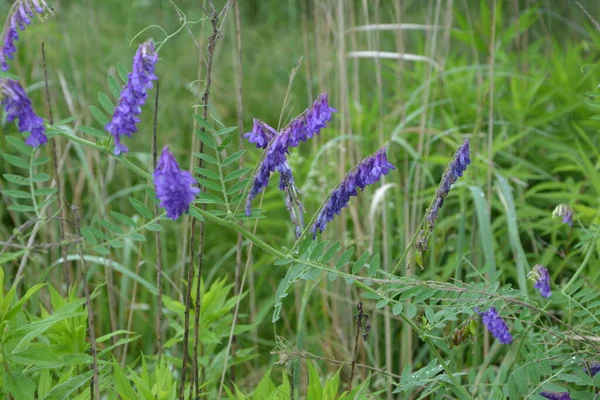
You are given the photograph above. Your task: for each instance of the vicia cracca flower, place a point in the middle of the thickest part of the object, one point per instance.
(565, 212)
(556, 395)
(19, 16)
(541, 276)
(369, 171)
(173, 186)
(133, 95)
(455, 169)
(18, 107)
(594, 369)
(496, 325)
(276, 146)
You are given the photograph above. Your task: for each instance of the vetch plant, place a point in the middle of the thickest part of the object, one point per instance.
(133, 95)
(19, 16)
(173, 186)
(18, 107)
(56, 345)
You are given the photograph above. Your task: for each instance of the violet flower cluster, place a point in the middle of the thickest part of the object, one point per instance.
(18, 107)
(261, 134)
(369, 171)
(19, 16)
(541, 276)
(564, 211)
(173, 186)
(133, 95)
(556, 395)
(455, 169)
(594, 369)
(276, 146)
(496, 325)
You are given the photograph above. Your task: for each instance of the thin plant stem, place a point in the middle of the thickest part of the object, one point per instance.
(95, 383)
(159, 272)
(212, 41)
(67, 274)
(240, 238)
(359, 317)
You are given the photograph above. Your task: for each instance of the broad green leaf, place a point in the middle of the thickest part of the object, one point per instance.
(111, 227)
(207, 173)
(344, 258)
(373, 265)
(233, 158)
(19, 145)
(154, 227)
(17, 194)
(93, 132)
(21, 208)
(45, 191)
(41, 160)
(19, 385)
(236, 174)
(66, 389)
(207, 139)
(205, 157)
(115, 89)
(225, 131)
(40, 178)
(16, 161)
(209, 184)
(141, 208)
(360, 262)
(98, 115)
(106, 102)
(122, 71)
(330, 253)
(16, 179)
(202, 122)
(238, 186)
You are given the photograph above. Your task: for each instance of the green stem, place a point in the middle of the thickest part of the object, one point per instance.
(31, 187)
(583, 264)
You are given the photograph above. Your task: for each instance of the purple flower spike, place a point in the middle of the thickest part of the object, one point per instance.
(496, 325)
(173, 186)
(133, 95)
(556, 395)
(18, 107)
(542, 280)
(455, 169)
(261, 134)
(275, 157)
(19, 17)
(369, 171)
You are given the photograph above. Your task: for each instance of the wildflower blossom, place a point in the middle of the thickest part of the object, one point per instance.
(496, 325)
(19, 16)
(542, 280)
(594, 369)
(18, 106)
(564, 211)
(261, 134)
(276, 146)
(556, 395)
(173, 186)
(455, 169)
(369, 171)
(133, 95)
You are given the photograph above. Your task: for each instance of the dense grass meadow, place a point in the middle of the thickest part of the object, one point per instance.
(466, 266)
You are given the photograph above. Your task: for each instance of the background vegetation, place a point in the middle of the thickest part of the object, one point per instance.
(513, 77)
